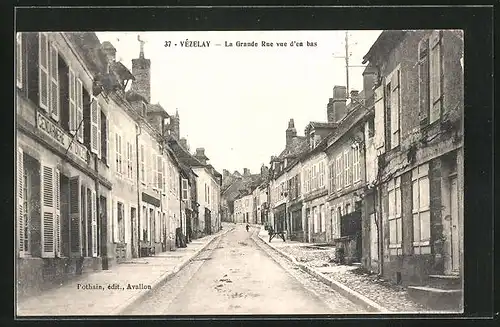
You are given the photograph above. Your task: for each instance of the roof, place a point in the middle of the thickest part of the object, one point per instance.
(297, 146)
(184, 156)
(384, 43)
(88, 46)
(316, 124)
(157, 108)
(122, 71)
(134, 96)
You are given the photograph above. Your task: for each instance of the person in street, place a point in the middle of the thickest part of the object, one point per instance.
(247, 227)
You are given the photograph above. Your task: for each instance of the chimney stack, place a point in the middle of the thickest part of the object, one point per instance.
(246, 172)
(184, 144)
(141, 69)
(354, 94)
(110, 51)
(338, 107)
(200, 155)
(370, 80)
(291, 132)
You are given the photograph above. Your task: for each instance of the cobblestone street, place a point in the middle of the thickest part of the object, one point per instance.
(234, 276)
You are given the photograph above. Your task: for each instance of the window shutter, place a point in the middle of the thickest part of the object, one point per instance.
(98, 118)
(379, 117)
(43, 71)
(93, 126)
(153, 170)
(72, 102)
(48, 211)
(54, 83)
(164, 180)
(94, 225)
(57, 223)
(159, 177)
(75, 208)
(395, 103)
(79, 109)
(423, 79)
(435, 76)
(106, 136)
(20, 202)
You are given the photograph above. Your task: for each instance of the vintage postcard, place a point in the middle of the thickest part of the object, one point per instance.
(236, 173)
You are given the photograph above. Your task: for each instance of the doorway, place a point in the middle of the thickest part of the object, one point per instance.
(455, 237)
(102, 231)
(133, 238)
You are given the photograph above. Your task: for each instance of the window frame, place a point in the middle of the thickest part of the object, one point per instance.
(417, 175)
(356, 164)
(347, 167)
(395, 215)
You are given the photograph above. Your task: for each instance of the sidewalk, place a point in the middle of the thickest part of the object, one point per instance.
(109, 292)
(366, 290)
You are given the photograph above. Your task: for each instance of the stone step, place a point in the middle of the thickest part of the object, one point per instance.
(437, 298)
(448, 282)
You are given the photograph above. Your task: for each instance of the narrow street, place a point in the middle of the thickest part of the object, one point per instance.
(235, 276)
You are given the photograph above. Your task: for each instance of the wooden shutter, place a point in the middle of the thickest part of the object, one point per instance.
(75, 212)
(94, 127)
(435, 76)
(379, 118)
(395, 107)
(98, 117)
(153, 170)
(54, 83)
(48, 211)
(94, 224)
(164, 186)
(106, 140)
(79, 109)
(72, 102)
(20, 202)
(43, 71)
(57, 222)
(423, 79)
(83, 220)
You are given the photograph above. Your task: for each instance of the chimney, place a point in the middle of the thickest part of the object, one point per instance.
(246, 172)
(225, 173)
(109, 50)
(354, 94)
(329, 111)
(264, 171)
(183, 143)
(339, 103)
(175, 125)
(291, 132)
(141, 69)
(200, 155)
(370, 80)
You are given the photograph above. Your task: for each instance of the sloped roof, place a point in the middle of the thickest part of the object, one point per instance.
(134, 96)
(184, 156)
(88, 46)
(122, 71)
(295, 148)
(384, 43)
(316, 124)
(157, 108)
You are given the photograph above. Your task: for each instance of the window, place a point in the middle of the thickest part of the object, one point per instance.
(104, 138)
(347, 177)
(184, 189)
(142, 164)
(19, 60)
(394, 214)
(421, 209)
(321, 174)
(331, 176)
(334, 222)
(435, 73)
(323, 218)
(54, 83)
(121, 222)
(347, 208)
(79, 110)
(43, 71)
(159, 173)
(356, 167)
(394, 106)
(338, 169)
(423, 80)
(118, 153)
(95, 130)
(164, 178)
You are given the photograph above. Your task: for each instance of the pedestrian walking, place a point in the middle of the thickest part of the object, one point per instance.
(248, 227)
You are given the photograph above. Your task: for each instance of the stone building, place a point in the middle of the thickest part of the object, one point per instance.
(419, 153)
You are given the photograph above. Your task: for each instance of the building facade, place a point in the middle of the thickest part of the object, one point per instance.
(419, 152)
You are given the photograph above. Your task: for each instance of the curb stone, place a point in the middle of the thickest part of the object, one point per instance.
(120, 310)
(350, 294)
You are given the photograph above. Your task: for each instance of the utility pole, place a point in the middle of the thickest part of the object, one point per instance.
(347, 62)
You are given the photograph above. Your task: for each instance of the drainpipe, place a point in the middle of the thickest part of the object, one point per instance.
(138, 132)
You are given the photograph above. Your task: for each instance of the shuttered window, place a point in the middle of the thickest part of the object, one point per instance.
(421, 209)
(79, 109)
(379, 118)
(394, 214)
(347, 167)
(435, 76)
(19, 60)
(164, 179)
(356, 166)
(118, 153)
(321, 174)
(142, 164)
(21, 204)
(423, 80)
(54, 83)
(75, 212)
(339, 171)
(395, 107)
(72, 102)
(129, 161)
(94, 126)
(94, 224)
(48, 211)
(185, 189)
(153, 176)
(159, 172)
(43, 71)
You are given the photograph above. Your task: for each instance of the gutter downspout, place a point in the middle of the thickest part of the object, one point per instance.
(138, 132)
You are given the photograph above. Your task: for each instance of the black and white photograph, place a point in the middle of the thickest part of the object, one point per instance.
(170, 173)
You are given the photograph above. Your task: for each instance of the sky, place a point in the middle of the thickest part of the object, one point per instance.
(236, 101)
